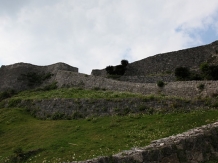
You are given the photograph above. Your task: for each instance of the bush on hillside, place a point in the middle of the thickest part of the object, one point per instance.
(182, 73)
(160, 84)
(209, 72)
(110, 70)
(7, 94)
(124, 62)
(117, 70)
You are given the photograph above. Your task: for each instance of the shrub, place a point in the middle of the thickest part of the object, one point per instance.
(200, 87)
(14, 102)
(117, 70)
(51, 86)
(210, 72)
(182, 73)
(7, 94)
(110, 70)
(124, 63)
(77, 115)
(195, 76)
(58, 116)
(160, 84)
(20, 156)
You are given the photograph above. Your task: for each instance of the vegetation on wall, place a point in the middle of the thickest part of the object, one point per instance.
(182, 73)
(160, 84)
(34, 79)
(7, 94)
(117, 70)
(207, 72)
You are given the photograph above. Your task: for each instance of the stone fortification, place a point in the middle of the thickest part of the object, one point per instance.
(149, 79)
(186, 89)
(10, 74)
(83, 108)
(194, 146)
(168, 62)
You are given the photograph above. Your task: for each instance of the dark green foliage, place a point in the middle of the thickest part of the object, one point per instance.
(58, 116)
(96, 88)
(48, 87)
(7, 94)
(34, 79)
(124, 63)
(209, 72)
(117, 70)
(160, 84)
(196, 76)
(110, 70)
(20, 156)
(77, 115)
(14, 102)
(182, 73)
(143, 108)
(201, 87)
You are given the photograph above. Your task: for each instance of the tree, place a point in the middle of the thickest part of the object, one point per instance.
(210, 72)
(110, 70)
(182, 73)
(117, 70)
(124, 62)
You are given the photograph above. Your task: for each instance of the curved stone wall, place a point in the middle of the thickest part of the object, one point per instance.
(185, 89)
(168, 62)
(194, 146)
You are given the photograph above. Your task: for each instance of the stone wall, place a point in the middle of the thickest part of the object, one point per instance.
(185, 89)
(148, 79)
(10, 74)
(168, 62)
(82, 108)
(194, 146)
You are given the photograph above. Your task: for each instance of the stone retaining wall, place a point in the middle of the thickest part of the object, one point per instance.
(148, 79)
(194, 146)
(185, 89)
(81, 108)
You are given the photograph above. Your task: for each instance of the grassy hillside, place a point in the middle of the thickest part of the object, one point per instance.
(68, 140)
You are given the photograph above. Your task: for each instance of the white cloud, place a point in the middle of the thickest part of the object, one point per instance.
(92, 34)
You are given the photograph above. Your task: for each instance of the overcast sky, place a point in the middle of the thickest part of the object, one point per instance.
(92, 34)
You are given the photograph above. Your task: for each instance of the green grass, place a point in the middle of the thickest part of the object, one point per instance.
(68, 140)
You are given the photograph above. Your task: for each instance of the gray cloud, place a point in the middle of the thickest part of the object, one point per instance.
(96, 33)
(11, 7)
